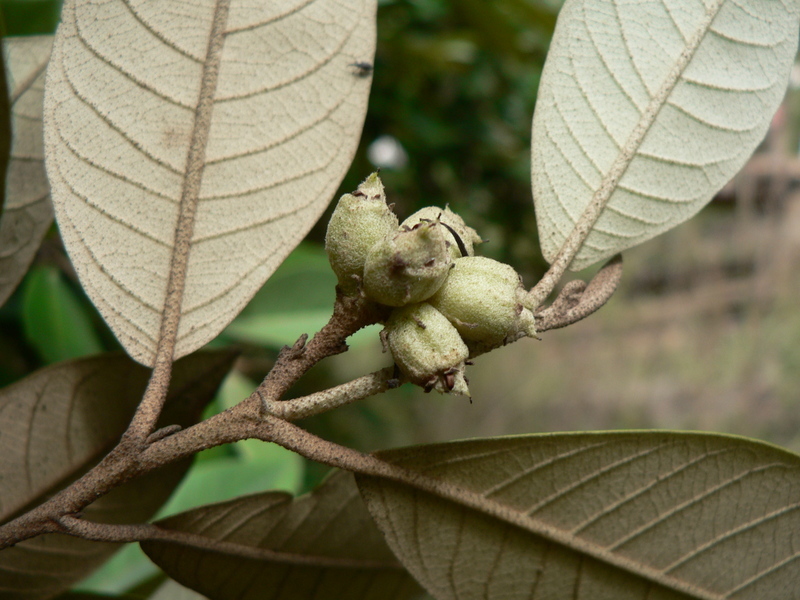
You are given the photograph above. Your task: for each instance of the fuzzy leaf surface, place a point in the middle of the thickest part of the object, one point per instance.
(56, 424)
(27, 212)
(595, 516)
(648, 109)
(272, 547)
(232, 120)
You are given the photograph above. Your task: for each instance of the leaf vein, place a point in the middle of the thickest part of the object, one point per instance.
(119, 69)
(157, 35)
(676, 510)
(626, 460)
(659, 479)
(541, 465)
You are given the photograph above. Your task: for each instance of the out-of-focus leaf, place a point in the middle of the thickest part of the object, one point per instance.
(648, 108)
(30, 17)
(297, 299)
(54, 321)
(172, 590)
(322, 545)
(245, 114)
(27, 212)
(88, 596)
(616, 516)
(54, 425)
(127, 568)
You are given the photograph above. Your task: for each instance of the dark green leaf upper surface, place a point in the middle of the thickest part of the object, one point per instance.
(637, 515)
(57, 423)
(269, 546)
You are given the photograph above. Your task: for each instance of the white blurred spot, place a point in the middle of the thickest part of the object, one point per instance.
(794, 78)
(387, 153)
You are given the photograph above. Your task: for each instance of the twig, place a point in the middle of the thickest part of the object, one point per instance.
(313, 404)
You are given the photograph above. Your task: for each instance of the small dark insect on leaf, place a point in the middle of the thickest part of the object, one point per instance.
(362, 69)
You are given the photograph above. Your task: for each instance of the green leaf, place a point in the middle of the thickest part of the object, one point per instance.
(172, 590)
(297, 299)
(30, 17)
(128, 567)
(57, 423)
(85, 596)
(270, 467)
(55, 321)
(646, 109)
(631, 515)
(270, 546)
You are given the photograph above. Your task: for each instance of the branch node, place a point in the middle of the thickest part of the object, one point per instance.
(578, 300)
(294, 351)
(160, 434)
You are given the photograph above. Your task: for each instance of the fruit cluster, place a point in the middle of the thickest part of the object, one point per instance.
(446, 301)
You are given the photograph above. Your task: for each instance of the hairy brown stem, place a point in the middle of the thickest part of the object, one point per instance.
(346, 393)
(134, 457)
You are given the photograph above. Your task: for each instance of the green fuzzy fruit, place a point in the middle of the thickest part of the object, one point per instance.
(482, 298)
(358, 222)
(462, 238)
(408, 266)
(427, 348)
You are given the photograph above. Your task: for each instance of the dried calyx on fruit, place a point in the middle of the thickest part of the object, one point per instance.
(408, 266)
(462, 237)
(483, 299)
(358, 222)
(427, 348)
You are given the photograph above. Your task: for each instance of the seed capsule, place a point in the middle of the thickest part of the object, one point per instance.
(482, 298)
(427, 348)
(462, 238)
(408, 266)
(359, 220)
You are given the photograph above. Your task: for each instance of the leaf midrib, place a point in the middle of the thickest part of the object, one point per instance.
(192, 180)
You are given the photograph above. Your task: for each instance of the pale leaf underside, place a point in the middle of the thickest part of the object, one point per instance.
(252, 122)
(27, 213)
(652, 106)
(617, 516)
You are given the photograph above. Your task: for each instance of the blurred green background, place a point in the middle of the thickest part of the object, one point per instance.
(703, 333)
